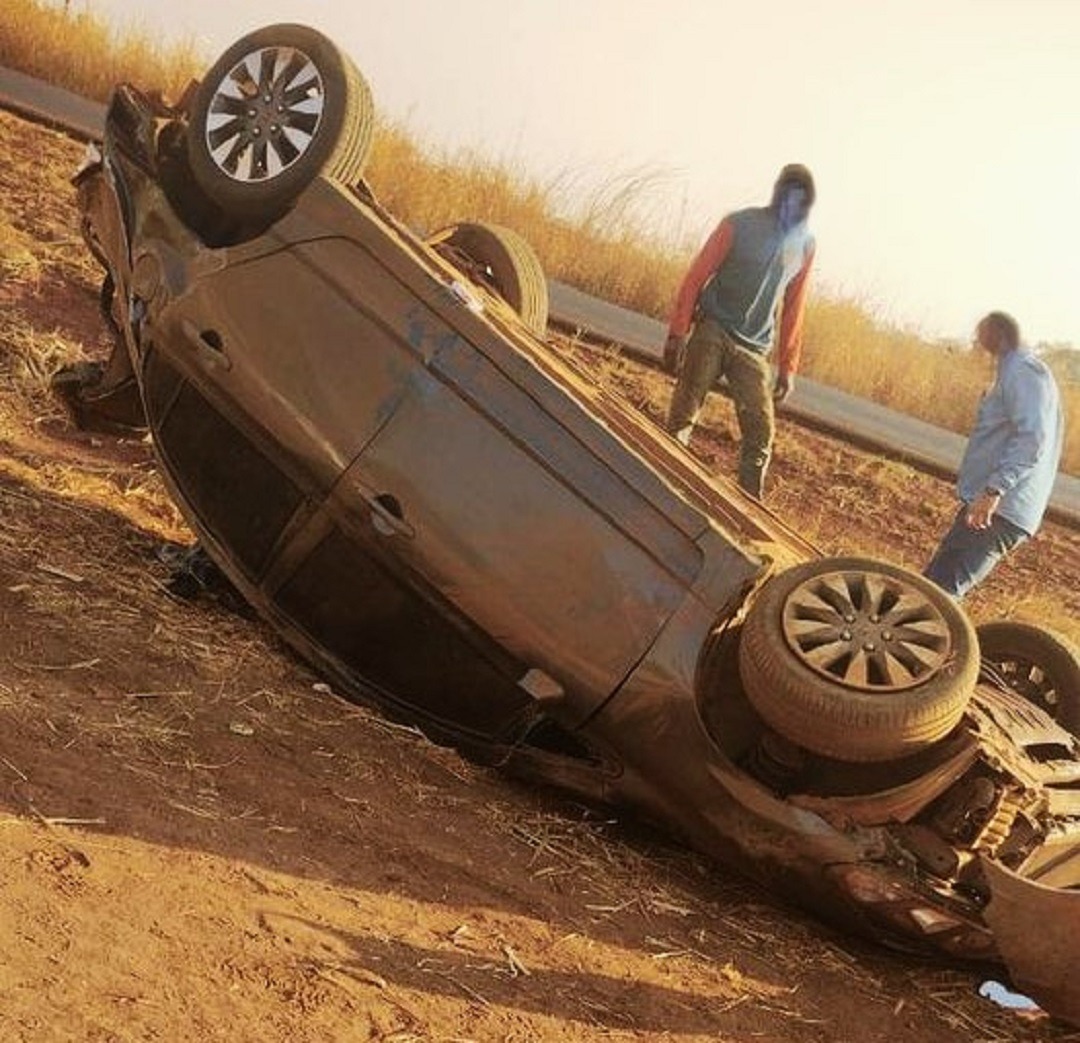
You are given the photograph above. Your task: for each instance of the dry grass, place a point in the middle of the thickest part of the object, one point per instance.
(34, 355)
(17, 259)
(67, 45)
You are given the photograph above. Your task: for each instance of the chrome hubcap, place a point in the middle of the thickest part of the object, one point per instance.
(264, 114)
(866, 630)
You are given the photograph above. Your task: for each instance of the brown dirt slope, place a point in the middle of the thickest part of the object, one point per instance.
(200, 841)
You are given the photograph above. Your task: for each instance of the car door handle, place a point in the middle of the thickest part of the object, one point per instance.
(210, 345)
(387, 517)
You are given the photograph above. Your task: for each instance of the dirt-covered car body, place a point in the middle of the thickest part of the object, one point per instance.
(446, 518)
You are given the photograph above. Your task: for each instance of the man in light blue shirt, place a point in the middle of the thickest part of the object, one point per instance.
(1009, 465)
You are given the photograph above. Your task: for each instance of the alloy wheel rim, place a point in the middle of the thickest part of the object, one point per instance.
(265, 114)
(866, 630)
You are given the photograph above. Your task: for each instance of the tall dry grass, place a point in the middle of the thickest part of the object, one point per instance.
(596, 241)
(589, 241)
(65, 44)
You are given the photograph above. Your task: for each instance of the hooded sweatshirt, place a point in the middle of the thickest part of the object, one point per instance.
(739, 278)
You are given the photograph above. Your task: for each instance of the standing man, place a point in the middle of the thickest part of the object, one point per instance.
(1009, 464)
(755, 259)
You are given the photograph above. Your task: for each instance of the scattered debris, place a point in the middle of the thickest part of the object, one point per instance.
(1005, 997)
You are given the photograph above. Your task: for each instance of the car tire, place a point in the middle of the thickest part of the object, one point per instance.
(503, 261)
(857, 660)
(313, 114)
(1038, 664)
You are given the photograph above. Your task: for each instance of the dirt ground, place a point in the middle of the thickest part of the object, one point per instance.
(201, 841)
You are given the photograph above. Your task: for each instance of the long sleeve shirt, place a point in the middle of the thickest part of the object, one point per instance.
(747, 265)
(1015, 446)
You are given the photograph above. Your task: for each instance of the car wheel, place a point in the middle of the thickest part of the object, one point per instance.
(501, 260)
(1038, 664)
(278, 108)
(857, 660)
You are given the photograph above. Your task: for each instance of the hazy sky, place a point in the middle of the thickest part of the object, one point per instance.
(944, 134)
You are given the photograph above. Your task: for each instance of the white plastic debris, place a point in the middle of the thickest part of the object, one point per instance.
(1003, 997)
(467, 296)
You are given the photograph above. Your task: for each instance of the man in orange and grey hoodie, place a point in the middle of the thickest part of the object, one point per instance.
(755, 264)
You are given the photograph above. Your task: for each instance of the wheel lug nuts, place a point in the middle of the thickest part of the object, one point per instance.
(846, 635)
(869, 646)
(849, 618)
(875, 618)
(886, 635)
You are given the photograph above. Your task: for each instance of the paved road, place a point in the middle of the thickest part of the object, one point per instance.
(826, 407)
(48, 104)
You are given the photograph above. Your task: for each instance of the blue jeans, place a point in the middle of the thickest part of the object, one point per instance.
(965, 555)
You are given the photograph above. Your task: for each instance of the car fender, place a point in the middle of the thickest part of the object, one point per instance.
(1036, 929)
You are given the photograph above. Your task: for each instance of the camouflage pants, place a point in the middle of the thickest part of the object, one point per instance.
(711, 354)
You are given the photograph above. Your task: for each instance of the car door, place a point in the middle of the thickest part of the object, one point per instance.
(524, 514)
(265, 376)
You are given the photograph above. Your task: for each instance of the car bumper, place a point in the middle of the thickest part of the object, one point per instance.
(1037, 930)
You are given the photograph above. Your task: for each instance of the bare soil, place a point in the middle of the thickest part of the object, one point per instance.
(201, 841)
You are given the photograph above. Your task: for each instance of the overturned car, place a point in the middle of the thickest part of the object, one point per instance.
(369, 436)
